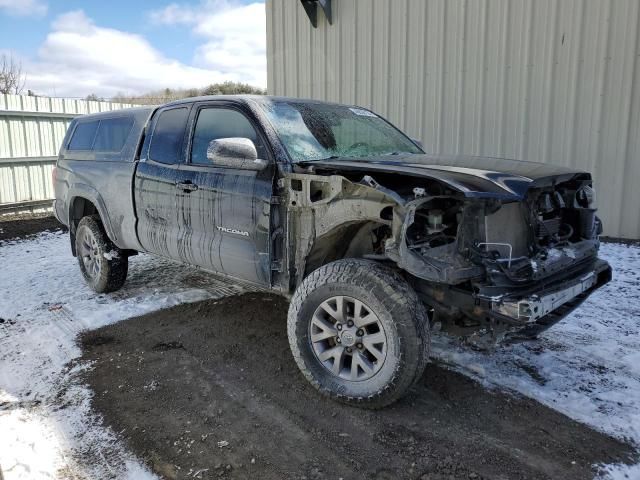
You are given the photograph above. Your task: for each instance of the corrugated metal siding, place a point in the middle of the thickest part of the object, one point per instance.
(553, 81)
(31, 132)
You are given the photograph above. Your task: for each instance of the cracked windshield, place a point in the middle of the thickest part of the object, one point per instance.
(312, 131)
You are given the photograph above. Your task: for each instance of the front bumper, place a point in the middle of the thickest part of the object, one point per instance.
(538, 311)
(512, 315)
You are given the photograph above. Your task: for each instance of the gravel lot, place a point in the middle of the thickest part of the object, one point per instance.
(206, 387)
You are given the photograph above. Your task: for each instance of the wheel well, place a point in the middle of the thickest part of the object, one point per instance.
(351, 240)
(80, 208)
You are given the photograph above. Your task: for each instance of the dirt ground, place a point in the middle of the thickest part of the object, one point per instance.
(23, 226)
(210, 390)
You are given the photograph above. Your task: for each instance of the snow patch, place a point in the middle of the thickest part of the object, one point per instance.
(48, 428)
(111, 255)
(620, 472)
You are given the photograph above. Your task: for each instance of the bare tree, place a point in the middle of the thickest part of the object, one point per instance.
(12, 78)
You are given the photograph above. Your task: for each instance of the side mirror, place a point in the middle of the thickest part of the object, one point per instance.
(235, 152)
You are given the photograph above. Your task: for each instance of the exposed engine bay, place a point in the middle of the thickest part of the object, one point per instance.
(514, 242)
(484, 265)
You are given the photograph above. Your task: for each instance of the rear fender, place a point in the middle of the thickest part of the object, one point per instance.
(80, 190)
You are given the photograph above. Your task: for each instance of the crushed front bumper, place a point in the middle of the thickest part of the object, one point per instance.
(536, 312)
(512, 315)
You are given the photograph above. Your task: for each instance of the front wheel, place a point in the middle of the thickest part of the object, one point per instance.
(103, 265)
(358, 332)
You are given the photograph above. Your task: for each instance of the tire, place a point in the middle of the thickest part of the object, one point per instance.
(383, 371)
(103, 265)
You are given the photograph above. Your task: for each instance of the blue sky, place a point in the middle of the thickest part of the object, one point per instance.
(74, 47)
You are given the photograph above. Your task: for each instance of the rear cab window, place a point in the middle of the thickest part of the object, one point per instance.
(167, 139)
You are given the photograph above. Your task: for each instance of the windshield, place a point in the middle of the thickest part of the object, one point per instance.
(315, 131)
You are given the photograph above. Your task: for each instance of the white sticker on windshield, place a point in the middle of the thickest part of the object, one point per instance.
(363, 113)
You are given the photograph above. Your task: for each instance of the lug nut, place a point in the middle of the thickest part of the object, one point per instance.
(349, 349)
(360, 332)
(339, 326)
(349, 323)
(359, 345)
(338, 340)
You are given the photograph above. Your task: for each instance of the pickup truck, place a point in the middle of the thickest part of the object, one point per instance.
(375, 243)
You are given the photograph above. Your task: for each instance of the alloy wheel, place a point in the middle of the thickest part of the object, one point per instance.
(89, 252)
(348, 338)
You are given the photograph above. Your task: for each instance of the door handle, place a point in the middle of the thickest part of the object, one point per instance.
(187, 186)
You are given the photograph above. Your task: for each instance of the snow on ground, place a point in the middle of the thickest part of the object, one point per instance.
(45, 418)
(587, 367)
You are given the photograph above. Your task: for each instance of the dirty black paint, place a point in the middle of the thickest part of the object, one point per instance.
(155, 199)
(232, 199)
(477, 177)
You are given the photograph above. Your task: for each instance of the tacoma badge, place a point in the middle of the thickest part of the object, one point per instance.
(233, 230)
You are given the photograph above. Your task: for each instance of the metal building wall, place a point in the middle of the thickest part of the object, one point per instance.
(554, 81)
(31, 132)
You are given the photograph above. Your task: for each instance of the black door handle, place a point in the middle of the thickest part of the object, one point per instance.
(187, 186)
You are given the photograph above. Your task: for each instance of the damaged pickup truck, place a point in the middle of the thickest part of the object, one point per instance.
(375, 243)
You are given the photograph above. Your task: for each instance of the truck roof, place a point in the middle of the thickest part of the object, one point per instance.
(133, 111)
(145, 111)
(248, 98)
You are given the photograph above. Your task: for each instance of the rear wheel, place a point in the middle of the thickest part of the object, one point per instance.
(358, 332)
(103, 265)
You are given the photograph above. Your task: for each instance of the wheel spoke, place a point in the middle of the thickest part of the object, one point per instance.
(337, 354)
(359, 361)
(338, 361)
(327, 329)
(379, 354)
(337, 312)
(330, 353)
(367, 319)
(375, 338)
(371, 343)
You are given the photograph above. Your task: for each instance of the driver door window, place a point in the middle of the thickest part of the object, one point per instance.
(217, 123)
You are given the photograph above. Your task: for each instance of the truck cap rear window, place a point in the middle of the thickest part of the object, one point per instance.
(112, 134)
(83, 136)
(106, 135)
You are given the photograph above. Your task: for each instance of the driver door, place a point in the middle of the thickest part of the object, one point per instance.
(224, 212)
